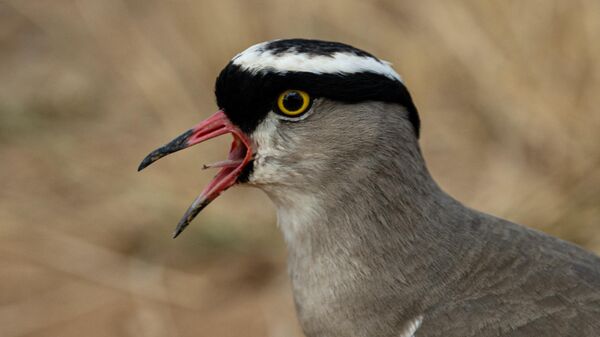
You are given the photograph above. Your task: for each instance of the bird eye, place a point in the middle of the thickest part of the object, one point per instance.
(293, 102)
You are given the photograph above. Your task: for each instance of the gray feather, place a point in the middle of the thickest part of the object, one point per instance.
(374, 243)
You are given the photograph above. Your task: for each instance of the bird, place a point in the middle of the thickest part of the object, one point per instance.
(375, 247)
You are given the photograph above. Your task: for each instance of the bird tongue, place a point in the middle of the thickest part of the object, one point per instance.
(239, 156)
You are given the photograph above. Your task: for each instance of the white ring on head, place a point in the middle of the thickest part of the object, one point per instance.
(257, 59)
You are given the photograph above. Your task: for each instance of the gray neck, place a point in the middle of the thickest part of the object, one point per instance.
(371, 221)
(375, 245)
(384, 205)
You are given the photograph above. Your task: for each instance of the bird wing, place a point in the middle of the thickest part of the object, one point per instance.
(519, 282)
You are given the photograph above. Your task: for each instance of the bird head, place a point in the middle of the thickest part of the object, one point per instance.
(302, 114)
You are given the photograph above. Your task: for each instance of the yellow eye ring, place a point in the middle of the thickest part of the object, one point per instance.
(293, 102)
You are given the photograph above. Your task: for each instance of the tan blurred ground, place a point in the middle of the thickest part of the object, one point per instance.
(508, 91)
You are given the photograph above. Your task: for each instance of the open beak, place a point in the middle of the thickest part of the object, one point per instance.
(240, 155)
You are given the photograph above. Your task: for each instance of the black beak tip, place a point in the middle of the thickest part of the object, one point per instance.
(152, 157)
(199, 204)
(180, 227)
(147, 161)
(179, 143)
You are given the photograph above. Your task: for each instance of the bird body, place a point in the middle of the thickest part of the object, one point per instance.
(373, 257)
(375, 247)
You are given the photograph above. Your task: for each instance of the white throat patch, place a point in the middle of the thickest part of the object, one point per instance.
(256, 59)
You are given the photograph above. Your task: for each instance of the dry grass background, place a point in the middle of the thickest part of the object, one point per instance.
(508, 92)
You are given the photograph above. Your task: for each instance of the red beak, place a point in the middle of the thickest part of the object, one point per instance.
(240, 155)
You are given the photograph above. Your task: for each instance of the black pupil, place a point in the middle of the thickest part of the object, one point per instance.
(293, 101)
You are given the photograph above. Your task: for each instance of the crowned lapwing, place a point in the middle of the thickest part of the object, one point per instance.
(375, 247)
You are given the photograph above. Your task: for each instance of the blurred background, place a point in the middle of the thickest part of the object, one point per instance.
(508, 91)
